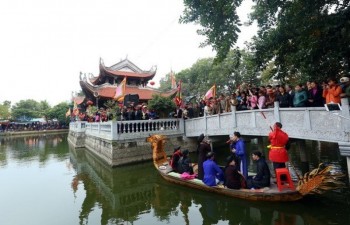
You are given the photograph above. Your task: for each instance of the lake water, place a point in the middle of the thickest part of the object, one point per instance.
(43, 181)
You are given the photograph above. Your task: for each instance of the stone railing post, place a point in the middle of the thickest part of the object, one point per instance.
(234, 118)
(276, 111)
(206, 123)
(345, 113)
(182, 126)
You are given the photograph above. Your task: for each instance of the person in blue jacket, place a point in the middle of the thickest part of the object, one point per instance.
(212, 171)
(238, 149)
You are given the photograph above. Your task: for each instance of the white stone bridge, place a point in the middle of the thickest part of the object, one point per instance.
(302, 123)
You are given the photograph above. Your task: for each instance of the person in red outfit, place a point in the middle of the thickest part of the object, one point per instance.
(278, 154)
(175, 158)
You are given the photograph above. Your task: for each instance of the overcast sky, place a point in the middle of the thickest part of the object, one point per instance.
(44, 44)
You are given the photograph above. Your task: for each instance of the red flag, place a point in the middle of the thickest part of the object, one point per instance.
(178, 98)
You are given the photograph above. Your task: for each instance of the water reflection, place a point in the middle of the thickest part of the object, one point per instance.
(32, 148)
(136, 194)
(77, 185)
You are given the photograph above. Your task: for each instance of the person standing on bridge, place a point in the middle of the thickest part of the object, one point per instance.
(278, 154)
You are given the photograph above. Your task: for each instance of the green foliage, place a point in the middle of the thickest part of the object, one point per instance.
(26, 110)
(162, 105)
(112, 107)
(59, 112)
(237, 67)
(305, 39)
(219, 20)
(165, 83)
(5, 110)
(111, 104)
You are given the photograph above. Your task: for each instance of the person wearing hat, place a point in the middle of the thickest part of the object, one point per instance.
(345, 83)
(175, 158)
(212, 172)
(184, 163)
(203, 149)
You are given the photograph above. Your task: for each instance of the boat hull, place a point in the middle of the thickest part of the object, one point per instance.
(252, 195)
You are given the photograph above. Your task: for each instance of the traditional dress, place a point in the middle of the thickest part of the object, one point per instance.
(175, 159)
(211, 172)
(240, 152)
(232, 177)
(203, 149)
(278, 139)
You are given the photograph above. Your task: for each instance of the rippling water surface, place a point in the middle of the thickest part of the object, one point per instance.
(42, 181)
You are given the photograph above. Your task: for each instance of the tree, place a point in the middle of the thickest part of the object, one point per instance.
(219, 20)
(59, 112)
(44, 108)
(5, 110)
(308, 38)
(238, 66)
(162, 105)
(304, 39)
(165, 83)
(26, 110)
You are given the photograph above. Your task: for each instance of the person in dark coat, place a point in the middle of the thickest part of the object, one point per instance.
(315, 98)
(262, 177)
(232, 176)
(178, 112)
(283, 98)
(175, 158)
(138, 113)
(184, 163)
(203, 150)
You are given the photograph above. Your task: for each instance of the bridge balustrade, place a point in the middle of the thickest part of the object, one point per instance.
(312, 123)
(127, 130)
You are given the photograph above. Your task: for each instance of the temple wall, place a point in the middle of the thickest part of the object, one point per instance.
(116, 153)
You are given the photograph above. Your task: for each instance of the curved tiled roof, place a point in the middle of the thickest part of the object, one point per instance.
(122, 69)
(108, 91)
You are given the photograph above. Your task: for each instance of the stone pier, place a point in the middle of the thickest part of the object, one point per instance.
(124, 142)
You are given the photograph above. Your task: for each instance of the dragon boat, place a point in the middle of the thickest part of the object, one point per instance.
(317, 181)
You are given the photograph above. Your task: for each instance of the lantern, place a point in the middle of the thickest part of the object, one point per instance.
(89, 102)
(152, 83)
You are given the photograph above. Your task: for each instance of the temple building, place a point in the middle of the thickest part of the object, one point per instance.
(103, 87)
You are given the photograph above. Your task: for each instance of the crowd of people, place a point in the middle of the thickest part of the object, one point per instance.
(126, 113)
(235, 173)
(30, 126)
(249, 97)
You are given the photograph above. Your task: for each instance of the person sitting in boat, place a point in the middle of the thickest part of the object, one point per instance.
(233, 178)
(212, 172)
(262, 177)
(184, 164)
(175, 158)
